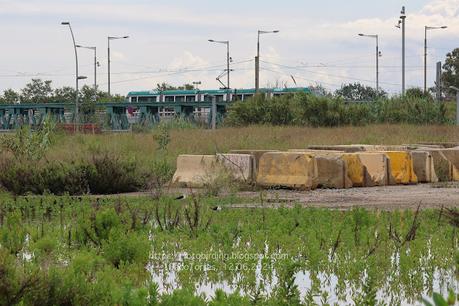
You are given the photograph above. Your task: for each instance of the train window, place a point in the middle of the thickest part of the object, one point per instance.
(190, 98)
(169, 99)
(133, 99)
(247, 96)
(219, 98)
(180, 99)
(207, 98)
(142, 99)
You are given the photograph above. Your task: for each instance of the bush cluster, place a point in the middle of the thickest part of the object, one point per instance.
(101, 174)
(317, 111)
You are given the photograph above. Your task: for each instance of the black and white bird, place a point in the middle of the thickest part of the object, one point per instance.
(181, 197)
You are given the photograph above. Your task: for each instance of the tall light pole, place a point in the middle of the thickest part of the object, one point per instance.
(257, 58)
(95, 68)
(108, 40)
(401, 23)
(77, 77)
(427, 28)
(227, 43)
(378, 54)
(457, 103)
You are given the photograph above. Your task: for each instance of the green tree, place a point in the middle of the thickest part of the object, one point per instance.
(65, 94)
(9, 96)
(37, 91)
(359, 92)
(417, 92)
(165, 86)
(450, 76)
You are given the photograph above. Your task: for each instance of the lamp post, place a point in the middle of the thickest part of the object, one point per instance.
(108, 40)
(401, 23)
(257, 58)
(427, 28)
(77, 77)
(227, 43)
(457, 103)
(95, 68)
(378, 54)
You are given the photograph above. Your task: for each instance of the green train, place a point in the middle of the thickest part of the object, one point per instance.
(221, 95)
(197, 102)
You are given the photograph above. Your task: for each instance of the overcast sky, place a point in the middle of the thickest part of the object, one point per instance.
(317, 43)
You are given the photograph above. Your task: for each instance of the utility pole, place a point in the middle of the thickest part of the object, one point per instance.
(214, 112)
(377, 57)
(228, 60)
(403, 19)
(457, 103)
(438, 82)
(426, 28)
(77, 77)
(257, 59)
(95, 68)
(108, 52)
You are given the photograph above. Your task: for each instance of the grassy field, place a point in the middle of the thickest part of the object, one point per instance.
(199, 141)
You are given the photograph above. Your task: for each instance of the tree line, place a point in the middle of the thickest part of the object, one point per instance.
(42, 91)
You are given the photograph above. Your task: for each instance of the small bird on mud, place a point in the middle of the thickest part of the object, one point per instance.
(181, 197)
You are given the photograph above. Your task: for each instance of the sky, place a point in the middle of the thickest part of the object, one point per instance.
(317, 43)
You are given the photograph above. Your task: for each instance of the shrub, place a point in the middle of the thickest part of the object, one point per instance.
(102, 174)
(318, 111)
(122, 248)
(110, 174)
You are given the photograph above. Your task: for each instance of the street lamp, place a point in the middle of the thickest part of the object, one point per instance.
(401, 23)
(196, 84)
(108, 40)
(457, 103)
(257, 59)
(77, 77)
(378, 54)
(427, 28)
(227, 43)
(95, 68)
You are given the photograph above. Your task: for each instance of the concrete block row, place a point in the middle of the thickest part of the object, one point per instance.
(338, 167)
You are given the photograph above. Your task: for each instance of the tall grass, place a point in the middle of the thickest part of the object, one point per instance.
(310, 110)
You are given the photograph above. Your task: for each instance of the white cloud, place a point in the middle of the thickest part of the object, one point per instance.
(169, 37)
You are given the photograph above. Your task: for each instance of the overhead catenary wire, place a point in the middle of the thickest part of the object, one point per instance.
(327, 74)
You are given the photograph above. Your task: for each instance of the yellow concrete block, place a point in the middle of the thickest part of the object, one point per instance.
(332, 168)
(376, 168)
(444, 169)
(196, 170)
(256, 157)
(239, 166)
(287, 169)
(424, 167)
(401, 168)
(452, 155)
(332, 172)
(355, 169)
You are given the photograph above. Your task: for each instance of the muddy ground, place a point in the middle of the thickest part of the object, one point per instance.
(383, 198)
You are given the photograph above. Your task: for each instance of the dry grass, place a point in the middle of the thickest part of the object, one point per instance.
(198, 141)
